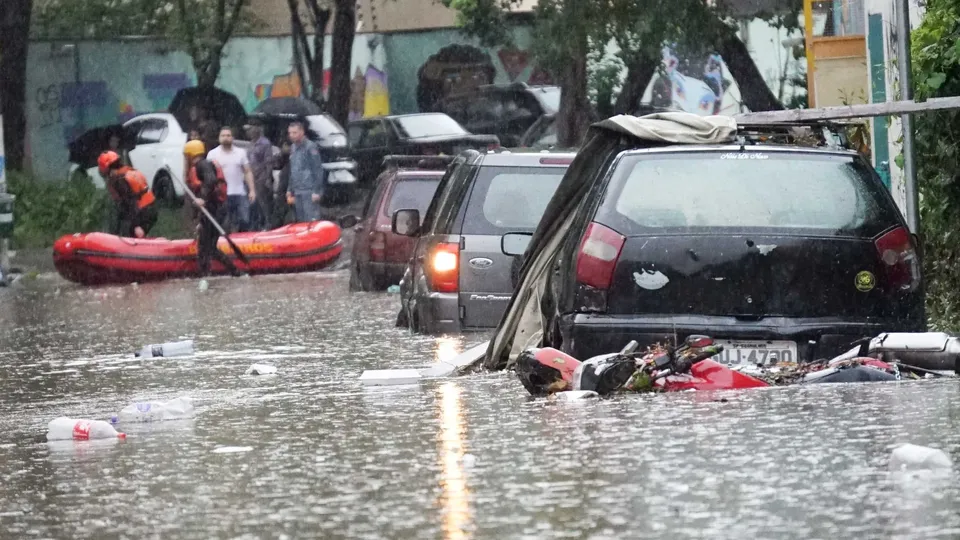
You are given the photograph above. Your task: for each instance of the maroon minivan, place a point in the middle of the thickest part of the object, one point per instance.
(380, 256)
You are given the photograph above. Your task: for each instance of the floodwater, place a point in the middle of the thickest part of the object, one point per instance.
(309, 453)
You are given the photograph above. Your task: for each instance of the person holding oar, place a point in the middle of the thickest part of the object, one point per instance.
(208, 189)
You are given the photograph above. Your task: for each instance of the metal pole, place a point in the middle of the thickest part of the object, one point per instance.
(902, 8)
(4, 244)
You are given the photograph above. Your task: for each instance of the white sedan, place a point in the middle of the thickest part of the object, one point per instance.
(158, 153)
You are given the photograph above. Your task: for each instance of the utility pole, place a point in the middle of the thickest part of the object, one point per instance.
(902, 8)
(6, 213)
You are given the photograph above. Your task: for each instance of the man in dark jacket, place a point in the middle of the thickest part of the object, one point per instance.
(305, 189)
(206, 181)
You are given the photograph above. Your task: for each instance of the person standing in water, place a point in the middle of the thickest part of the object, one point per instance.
(241, 191)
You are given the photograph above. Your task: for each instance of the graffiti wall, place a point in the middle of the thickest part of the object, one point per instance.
(427, 66)
(75, 87)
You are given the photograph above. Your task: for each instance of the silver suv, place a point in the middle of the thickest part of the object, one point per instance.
(459, 278)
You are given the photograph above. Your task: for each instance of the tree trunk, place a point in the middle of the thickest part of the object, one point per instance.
(321, 17)
(573, 119)
(754, 92)
(14, 35)
(639, 73)
(208, 69)
(344, 29)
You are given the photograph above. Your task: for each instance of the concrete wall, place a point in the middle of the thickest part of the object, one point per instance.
(74, 87)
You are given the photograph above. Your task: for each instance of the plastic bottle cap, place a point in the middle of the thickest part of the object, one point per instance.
(114, 419)
(121, 435)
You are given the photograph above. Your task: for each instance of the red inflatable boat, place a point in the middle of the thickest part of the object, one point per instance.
(98, 258)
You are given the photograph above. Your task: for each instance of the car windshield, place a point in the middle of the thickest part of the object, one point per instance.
(549, 98)
(412, 192)
(428, 125)
(510, 199)
(748, 190)
(324, 125)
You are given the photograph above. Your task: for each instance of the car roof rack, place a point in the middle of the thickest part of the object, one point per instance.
(811, 133)
(417, 162)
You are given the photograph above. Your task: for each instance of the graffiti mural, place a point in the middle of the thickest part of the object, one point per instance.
(452, 70)
(162, 87)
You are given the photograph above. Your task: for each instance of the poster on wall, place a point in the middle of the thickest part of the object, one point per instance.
(692, 81)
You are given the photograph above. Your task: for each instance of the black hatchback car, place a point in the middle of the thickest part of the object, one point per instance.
(372, 139)
(780, 252)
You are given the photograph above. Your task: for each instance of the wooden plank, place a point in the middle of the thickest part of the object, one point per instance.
(889, 108)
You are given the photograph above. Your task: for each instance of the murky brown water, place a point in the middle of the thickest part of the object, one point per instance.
(322, 457)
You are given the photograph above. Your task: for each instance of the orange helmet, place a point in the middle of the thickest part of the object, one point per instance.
(107, 159)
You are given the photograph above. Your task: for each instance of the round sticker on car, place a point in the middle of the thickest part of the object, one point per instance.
(865, 281)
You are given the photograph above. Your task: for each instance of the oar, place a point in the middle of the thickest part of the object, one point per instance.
(223, 233)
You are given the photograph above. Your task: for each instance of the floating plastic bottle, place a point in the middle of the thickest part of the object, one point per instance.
(910, 457)
(156, 411)
(63, 429)
(166, 350)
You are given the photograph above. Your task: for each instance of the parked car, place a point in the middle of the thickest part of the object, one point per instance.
(155, 147)
(458, 278)
(505, 110)
(380, 256)
(780, 251)
(334, 148)
(372, 139)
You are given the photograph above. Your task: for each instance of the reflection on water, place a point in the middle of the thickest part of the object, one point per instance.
(324, 457)
(457, 515)
(448, 348)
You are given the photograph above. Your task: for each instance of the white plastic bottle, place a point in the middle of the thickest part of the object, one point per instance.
(156, 411)
(166, 350)
(63, 429)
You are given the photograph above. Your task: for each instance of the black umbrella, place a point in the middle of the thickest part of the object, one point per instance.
(294, 106)
(224, 108)
(85, 149)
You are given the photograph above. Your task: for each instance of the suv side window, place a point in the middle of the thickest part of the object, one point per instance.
(355, 133)
(442, 195)
(374, 135)
(373, 201)
(450, 206)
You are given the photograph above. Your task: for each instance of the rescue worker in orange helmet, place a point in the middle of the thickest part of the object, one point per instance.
(205, 179)
(136, 204)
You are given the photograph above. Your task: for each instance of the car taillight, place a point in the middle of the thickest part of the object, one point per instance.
(599, 251)
(493, 146)
(442, 268)
(378, 246)
(899, 259)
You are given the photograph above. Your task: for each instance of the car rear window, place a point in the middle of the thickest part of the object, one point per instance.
(510, 199)
(749, 190)
(428, 125)
(412, 192)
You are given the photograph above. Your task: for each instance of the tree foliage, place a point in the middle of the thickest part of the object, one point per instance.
(201, 27)
(936, 70)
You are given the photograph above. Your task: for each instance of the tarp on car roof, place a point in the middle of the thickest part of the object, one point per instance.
(673, 127)
(521, 325)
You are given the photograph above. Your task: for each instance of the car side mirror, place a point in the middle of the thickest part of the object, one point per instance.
(348, 221)
(515, 244)
(406, 222)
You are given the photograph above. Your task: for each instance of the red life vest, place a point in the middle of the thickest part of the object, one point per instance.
(137, 183)
(194, 183)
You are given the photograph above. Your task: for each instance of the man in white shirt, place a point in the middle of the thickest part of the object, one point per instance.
(239, 176)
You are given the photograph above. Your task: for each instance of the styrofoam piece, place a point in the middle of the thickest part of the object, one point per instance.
(913, 457)
(441, 369)
(261, 369)
(575, 395)
(470, 355)
(384, 377)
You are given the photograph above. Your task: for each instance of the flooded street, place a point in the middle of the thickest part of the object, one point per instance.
(309, 453)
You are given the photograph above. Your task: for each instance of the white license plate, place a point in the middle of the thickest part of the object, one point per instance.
(737, 352)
